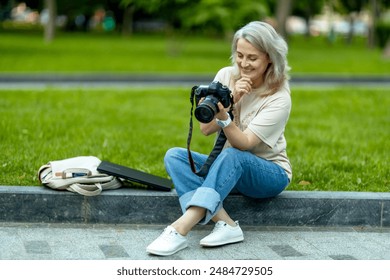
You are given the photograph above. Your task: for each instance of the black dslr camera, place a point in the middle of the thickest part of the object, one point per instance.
(214, 93)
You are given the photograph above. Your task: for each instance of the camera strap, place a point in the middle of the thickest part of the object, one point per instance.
(218, 146)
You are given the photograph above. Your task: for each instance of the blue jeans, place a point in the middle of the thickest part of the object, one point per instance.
(233, 169)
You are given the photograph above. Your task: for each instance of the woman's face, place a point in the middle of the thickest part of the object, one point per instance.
(251, 62)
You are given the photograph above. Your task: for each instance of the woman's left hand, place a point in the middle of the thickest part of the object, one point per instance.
(221, 115)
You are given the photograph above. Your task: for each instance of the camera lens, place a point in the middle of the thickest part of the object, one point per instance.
(204, 114)
(206, 111)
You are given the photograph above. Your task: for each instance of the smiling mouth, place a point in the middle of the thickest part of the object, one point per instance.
(245, 71)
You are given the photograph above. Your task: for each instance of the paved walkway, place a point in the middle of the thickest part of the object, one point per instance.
(118, 80)
(23, 241)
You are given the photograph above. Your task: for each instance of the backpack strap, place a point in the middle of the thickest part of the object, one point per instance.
(87, 190)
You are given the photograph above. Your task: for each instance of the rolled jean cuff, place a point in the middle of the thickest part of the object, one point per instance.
(202, 197)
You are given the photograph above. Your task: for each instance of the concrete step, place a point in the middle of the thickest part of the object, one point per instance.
(142, 206)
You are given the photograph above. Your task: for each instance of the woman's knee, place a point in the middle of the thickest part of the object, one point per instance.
(230, 153)
(172, 155)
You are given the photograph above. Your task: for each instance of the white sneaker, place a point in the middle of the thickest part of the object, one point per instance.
(223, 234)
(168, 243)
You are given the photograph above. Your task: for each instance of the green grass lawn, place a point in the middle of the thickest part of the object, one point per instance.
(26, 52)
(105, 53)
(316, 56)
(337, 138)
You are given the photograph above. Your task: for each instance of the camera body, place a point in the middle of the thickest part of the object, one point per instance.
(213, 93)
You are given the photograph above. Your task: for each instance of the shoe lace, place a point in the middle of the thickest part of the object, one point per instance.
(168, 234)
(219, 226)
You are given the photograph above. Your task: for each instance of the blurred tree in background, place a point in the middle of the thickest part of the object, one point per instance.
(210, 17)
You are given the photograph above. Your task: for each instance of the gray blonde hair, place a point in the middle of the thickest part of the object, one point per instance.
(264, 38)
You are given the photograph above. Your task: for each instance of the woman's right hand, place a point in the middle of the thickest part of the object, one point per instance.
(242, 86)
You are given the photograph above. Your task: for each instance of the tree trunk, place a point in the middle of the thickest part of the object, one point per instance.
(50, 25)
(351, 30)
(127, 27)
(386, 51)
(283, 10)
(371, 28)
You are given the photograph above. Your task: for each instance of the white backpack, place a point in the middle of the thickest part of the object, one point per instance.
(78, 174)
